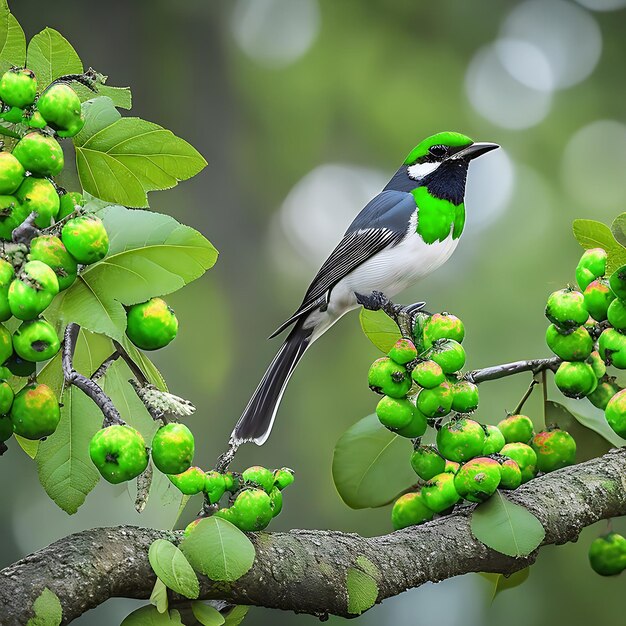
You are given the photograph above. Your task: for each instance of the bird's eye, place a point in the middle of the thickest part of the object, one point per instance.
(437, 151)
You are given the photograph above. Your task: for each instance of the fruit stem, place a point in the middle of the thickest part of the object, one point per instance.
(525, 397)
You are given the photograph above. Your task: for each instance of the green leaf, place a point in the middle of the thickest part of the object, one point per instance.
(362, 591)
(499, 582)
(150, 255)
(593, 234)
(236, 615)
(618, 228)
(380, 329)
(150, 616)
(219, 550)
(121, 96)
(99, 113)
(171, 566)
(123, 161)
(506, 527)
(370, 464)
(50, 56)
(158, 597)
(48, 610)
(206, 614)
(29, 446)
(13, 45)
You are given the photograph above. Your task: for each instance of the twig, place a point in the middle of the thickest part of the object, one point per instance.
(102, 370)
(134, 368)
(496, 372)
(525, 397)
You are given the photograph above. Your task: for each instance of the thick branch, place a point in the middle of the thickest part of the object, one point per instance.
(305, 570)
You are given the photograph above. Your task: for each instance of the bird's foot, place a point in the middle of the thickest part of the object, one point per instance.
(403, 316)
(375, 301)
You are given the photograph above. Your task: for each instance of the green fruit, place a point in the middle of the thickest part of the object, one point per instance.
(419, 320)
(566, 308)
(436, 402)
(19, 367)
(395, 413)
(6, 427)
(40, 196)
(69, 202)
(172, 448)
(151, 325)
(460, 440)
(517, 428)
(428, 374)
(11, 174)
(575, 380)
(612, 348)
(277, 501)
(259, 477)
(607, 554)
(35, 412)
(14, 115)
(119, 453)
(74, 128)
(40, 154)
(617, 282)
(442, 326)
(33, 119)
(478, 479)
(228, 514)
(6, 398)
(388, 378)
(86, 239)
(189, 482)
(464, 396)
(33, 290)
(18, 87)
(524, 456)
(592, 265)
(572, 345)
(253, 510)
(555, 449)
(449, 354)
(615, 413)
(7, 273)
(605, 390)
(439, 493)
(283, 477)
(427, 462)
(417, 426)
(616, 314)
(36, 341)
(452, 467)
(597, 364)
(5, 373)
(214, 486)
(191, 526)
(409, 510)
(50, 250)
(6, 343)
(403, 351)
(511, 474)
(60, 106)
(598, 296)
(12, 214)
(494, 440)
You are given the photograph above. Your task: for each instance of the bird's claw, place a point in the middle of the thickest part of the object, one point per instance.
(375, 301)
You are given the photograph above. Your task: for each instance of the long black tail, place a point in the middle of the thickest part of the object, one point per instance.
(258, 418)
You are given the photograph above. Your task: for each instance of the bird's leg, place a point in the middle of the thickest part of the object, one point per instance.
(403, 316)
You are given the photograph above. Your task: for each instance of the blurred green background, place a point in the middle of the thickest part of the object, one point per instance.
(303, 109)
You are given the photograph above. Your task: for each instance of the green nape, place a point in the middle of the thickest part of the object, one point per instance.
(446, 138)
(437, 217)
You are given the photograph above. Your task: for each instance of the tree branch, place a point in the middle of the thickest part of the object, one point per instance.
(495, 372)
(305, 570)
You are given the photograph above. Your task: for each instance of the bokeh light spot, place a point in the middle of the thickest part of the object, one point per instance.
(603, 5)
(526, 63)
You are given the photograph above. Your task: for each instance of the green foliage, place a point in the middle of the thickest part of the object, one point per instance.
(12, 40)
(123, 161)
(150, 616)
(370, 464)
(120, 96)
(499, 583)
(618, 228)
(47, 609)
(29, 446)
(50, 56)
(171, 566)
(206, 614)
(362, 591)
(506, 527)
(99, 113)
(158, 597)
(150, 255)
(593, 234)
(380, 329)
(236, 615)
(219, 550)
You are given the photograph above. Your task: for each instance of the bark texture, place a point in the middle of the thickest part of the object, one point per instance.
(305, 570)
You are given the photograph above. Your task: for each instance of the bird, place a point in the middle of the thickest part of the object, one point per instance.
(402, 235)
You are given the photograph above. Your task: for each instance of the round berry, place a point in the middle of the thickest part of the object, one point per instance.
(478, 479)
(119, 453)
(517, 428)
(173, 448)
(409, 510)
(388, 378)
(461, 440)
(151, 325)
(566, 308)
(427, 462)
(524, 456)
(555, 449)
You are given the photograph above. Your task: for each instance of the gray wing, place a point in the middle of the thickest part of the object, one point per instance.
(382, 223)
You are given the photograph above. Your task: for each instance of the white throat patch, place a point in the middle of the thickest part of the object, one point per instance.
(419, 170)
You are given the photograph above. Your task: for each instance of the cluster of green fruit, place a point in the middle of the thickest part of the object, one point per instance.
(607, 554)
(588, 332)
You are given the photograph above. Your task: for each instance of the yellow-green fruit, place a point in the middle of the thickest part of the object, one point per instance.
(442, 326)
(555, 449)
(69, 202)
(86, 239)
(615, 413)
(436, 402)
(449, 354)
(283, 477)
(572, 345)
(439, 493)
(566, 308)
(598, 297)
(74, 128)
(40, 196)
(189, 482)
(40, 154)
(6, 343)
(18, 87)
(6, 398)
(394, 413)
(7, 273)
(417, 426)
(33, 290)
(494, 440)
(60, 106)
(427, 462)
(214, 486)
(172, 448)
(592, 265)
(119, 453)
(460, 440)
(11, 174)
(465, 396)
(388, 378)
(260, 477)
(605, 390)
(12, 214)
(50, 250)
(517, 428)
(616, 314)
(607, 554)
(428, 374)
(277, 501)
(228, 514)
(612, 348)
(403, 351)
(36, 340)
(33, 119)
(233, 481)
(511, 474)
(452, 467)
(478, 479)
(597, 364)
(151, 325)
(253, 510)
(35, 412)
(524, 456)
(409, 510)
(576, 379)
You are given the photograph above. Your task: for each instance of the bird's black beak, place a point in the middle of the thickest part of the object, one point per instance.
(475, 150)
